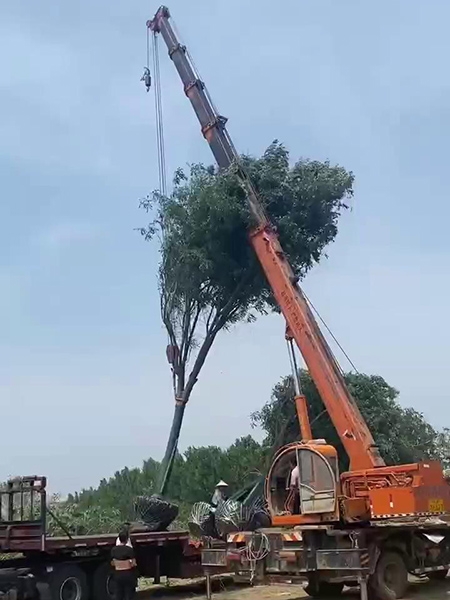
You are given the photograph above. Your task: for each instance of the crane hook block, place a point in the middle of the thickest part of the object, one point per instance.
(147, 78)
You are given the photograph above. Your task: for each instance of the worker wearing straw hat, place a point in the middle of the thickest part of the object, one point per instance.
(220, 493)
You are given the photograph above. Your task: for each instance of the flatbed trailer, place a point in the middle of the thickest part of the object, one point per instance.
(77, 567)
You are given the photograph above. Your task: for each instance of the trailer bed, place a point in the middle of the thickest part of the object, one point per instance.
(109, 540)
(28, 537)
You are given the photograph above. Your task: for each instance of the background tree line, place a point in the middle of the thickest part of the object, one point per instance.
(402, 434)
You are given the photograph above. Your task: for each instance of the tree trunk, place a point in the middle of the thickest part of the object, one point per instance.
(184, 388)
(183, 394)
(171, 448)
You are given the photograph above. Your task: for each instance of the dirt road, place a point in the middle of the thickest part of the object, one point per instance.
(423, 590)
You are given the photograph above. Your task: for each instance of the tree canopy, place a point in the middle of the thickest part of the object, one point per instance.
(402, 434)
(206, 257)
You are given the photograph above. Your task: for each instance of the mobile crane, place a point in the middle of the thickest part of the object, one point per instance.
(375, 520)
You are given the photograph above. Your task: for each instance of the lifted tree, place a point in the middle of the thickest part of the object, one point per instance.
(209, 276)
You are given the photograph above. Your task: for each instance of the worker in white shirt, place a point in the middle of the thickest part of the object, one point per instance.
(295, 477)
(125, 530)
(220, 493)
(294, 486)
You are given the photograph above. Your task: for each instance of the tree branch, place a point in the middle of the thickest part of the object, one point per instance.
(185, 328)
(210, 318)
(279, 438)
(217, 324)
(318, 416)
(191, 332)
(198, 363)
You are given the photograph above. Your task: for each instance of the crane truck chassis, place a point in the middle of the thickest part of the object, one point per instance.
(372, 524)
(76, 567)
(378, 557)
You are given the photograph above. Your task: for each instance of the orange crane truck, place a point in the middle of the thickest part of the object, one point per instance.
(373, 524)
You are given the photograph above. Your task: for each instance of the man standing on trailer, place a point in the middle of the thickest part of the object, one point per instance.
(124, 565)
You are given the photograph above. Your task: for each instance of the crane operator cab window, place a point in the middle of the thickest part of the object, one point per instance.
(316, 482)
(303, 482)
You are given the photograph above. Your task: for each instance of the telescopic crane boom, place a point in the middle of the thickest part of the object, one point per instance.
(325, 372)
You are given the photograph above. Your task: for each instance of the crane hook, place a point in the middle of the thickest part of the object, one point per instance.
(147, 78)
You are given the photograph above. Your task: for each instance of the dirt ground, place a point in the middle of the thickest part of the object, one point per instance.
(419, 590)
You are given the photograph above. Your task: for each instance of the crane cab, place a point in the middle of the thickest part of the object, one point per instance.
(315, 498)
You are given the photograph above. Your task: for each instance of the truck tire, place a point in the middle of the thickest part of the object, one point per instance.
(102, 583)
(390, 579)
(324, 589)
(68, 582)
(438, 575)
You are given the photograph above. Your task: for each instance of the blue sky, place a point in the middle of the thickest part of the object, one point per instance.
(84, 383)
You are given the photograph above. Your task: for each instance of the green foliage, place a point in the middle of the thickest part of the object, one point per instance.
(402, 434)
(205, 252)
(76, 520)
(195, 475)
(443, 447)
(118, 492)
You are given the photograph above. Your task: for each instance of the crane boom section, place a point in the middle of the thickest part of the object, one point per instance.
(325, 372)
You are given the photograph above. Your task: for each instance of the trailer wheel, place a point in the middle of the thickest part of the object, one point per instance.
(438, 575)
(323, 589)
(68, 582)
(103, 584)
(390, 580)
